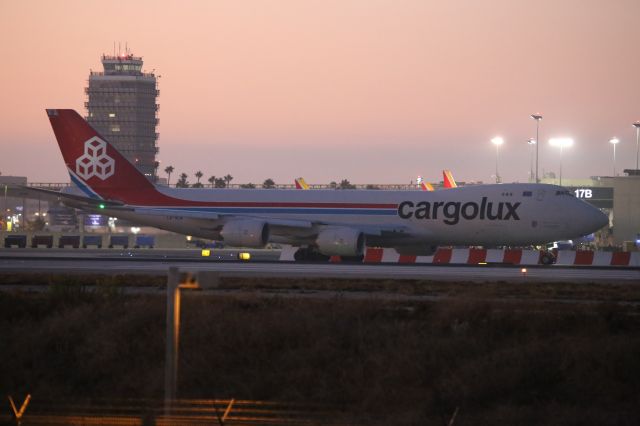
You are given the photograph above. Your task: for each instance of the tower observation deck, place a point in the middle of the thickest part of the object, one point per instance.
(122, 107)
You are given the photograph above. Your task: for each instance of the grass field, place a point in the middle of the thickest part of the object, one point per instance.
(554, 354)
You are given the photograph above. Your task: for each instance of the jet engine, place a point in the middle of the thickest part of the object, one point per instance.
(245, 233)
(340, 241)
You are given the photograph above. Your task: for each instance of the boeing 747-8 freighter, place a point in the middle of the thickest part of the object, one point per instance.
(330, 222)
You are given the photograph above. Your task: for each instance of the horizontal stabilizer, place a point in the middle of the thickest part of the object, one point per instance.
(31, 192)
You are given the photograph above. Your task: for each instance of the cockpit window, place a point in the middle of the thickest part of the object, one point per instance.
(527, 194)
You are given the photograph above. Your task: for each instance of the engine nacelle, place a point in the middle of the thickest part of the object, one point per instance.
(341, 241)
(245, 233)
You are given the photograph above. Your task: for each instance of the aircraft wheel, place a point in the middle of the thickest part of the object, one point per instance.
(300, 255)
(307, 254)
(547, 259)
(353, 259)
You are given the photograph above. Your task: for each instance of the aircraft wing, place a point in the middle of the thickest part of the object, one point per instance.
(80, 201)
(293, 228)
(282, 227)
(286, 223)
(150, 211)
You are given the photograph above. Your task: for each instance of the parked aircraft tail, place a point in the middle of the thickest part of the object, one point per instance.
(449, 181)
(426, 186)
(301, 184)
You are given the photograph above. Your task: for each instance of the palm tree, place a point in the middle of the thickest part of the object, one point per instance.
(228, 179)
(345, 184)
(212, 181)
(268, 183)
(168, 170)
(182, 182)
(198, 176)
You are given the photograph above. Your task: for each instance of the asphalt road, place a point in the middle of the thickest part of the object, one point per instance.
(157, 263)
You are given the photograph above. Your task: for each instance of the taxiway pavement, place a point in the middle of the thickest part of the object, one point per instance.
(158, 263)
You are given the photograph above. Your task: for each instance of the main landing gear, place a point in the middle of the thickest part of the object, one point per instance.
(547, 258)
(309, 254)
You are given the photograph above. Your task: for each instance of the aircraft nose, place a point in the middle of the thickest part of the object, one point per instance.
(601, 220)
(596, 219)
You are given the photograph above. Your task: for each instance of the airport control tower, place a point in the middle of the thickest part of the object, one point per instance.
(122, 108)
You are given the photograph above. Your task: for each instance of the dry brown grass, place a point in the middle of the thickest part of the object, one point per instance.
(383, 362)
(598, 292)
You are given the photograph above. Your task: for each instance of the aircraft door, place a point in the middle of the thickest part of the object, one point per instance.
(540, 193)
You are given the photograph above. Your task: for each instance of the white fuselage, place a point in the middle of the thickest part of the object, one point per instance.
(506, 214)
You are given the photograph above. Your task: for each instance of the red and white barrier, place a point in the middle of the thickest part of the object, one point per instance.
(474, 256)
(471, 256)
(598, 258)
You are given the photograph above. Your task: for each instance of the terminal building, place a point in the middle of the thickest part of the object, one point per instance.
(122, 107)
(619, 196)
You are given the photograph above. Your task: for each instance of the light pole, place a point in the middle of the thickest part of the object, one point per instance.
(497, 141)
(531, 143)
(637, 126)
(562, 143)
(614, 141)
(537, 117)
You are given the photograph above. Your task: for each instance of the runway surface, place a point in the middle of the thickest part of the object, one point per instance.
(157, 263)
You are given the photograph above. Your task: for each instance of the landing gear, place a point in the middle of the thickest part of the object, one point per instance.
(311, 254)
(353, 259)
(308, 254)
(547, 258)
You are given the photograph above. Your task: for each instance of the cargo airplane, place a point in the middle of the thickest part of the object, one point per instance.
(321, 222)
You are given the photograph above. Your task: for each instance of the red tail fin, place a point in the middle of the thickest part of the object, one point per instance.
(449, 181)
(301, 184)
(426, 186)
(95, 166)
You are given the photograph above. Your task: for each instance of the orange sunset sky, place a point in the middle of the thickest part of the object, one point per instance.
(372, 91)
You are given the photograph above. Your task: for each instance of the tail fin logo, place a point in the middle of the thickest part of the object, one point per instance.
(95, 161)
